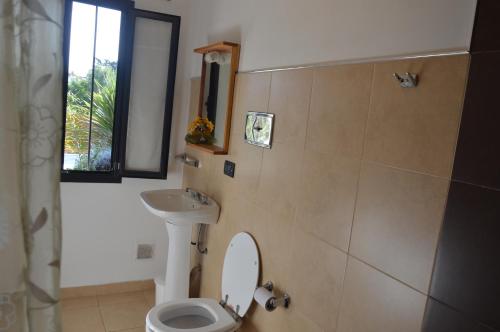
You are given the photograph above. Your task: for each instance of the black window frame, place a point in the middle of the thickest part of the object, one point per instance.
(169, 100)
(124, 72)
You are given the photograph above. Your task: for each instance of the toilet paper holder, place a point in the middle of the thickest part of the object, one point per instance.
(275, 302)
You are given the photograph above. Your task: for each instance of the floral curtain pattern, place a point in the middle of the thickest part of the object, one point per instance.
(30, 135)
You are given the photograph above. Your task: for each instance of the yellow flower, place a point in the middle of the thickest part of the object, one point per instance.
(210, 125)
(202, 126)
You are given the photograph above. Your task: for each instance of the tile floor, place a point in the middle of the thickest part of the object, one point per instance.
(124, 312)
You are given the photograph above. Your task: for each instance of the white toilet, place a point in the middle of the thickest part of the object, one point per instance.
(239, 280)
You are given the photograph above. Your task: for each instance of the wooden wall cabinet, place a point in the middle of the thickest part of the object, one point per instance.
(218, 74)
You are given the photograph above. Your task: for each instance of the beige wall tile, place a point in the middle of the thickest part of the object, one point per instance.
(248, 326)
(248, 159)
(219, 184)
(263, 320)
(316, 277)
(82, 320)
(251, 95)
(198, 178)
(272, 233)
(298, 199)
(339, 109)
(279, 179)
(397, 222)
(218, 238)
(327, 196)
(294, 321)
(374, 302)
(210, 280)
(127, 315)
(289, 101)
(417, 128)
(289, 320)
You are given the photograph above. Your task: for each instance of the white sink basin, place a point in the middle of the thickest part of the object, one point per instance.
(180, 209)
(177, 206)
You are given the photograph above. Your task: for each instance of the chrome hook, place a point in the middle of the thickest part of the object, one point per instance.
(407, 80)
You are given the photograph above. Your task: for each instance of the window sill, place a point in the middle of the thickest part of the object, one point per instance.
(90, 177)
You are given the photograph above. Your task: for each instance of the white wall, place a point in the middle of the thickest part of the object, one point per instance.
(277, 33)
(103, 223)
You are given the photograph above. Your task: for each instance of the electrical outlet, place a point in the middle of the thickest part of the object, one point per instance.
(144, 251)
(229, 168)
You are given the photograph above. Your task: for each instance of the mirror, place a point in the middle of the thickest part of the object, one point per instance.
(216, 86)
(219, 67)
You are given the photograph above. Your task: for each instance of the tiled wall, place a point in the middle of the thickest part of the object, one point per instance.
(466, 283)
(346, 207)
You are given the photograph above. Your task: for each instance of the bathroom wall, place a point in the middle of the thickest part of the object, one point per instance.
(282, 33)
(465, 293)
(103, 223)
(347, 205)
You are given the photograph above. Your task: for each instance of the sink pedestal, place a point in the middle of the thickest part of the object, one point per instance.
(178, 262)
(180, 209)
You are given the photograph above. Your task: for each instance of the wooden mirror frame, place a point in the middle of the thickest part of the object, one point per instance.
(225, 47)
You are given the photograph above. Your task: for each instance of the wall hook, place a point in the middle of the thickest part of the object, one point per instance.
(407, 80)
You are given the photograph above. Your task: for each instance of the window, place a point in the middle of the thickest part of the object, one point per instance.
(116, 123)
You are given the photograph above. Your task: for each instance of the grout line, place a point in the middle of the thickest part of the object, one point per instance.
(334, 246)
(101, 316)
(461, 312)
(295, 222)
(406, 170)
(311, 89)
(349, 255)
(401, 282)
(342, 290)
(439, 238)
(388, 275)
(360, 164)
(462, 109)
(476, 185)
(261, 149)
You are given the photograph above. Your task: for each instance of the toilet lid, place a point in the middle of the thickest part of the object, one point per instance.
(240, 272)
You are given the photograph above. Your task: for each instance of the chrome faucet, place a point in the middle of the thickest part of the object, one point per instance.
(197, 196)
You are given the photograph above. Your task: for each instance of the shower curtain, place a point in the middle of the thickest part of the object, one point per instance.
(30, 135)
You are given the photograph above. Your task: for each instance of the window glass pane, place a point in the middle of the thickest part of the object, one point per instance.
(93, 59)
(81, 55)
(148, 94)
(105, 69)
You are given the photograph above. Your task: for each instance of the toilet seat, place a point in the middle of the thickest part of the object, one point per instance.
(168, 317)
(239, 280)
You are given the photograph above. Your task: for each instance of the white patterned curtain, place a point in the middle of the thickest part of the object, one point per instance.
(30, 135)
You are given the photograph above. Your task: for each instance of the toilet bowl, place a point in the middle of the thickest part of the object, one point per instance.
(190, 315)
(239, 280)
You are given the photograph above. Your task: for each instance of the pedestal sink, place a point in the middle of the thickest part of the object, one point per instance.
(180, 209)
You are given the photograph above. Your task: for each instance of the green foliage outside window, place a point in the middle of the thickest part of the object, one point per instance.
(78, 116)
